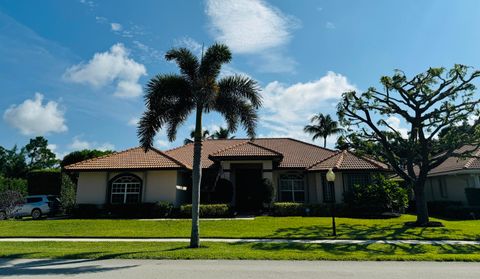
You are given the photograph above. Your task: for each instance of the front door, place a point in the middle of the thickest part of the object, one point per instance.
(248, 188)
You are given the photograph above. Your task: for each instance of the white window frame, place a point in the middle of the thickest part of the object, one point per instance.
(120, 186)
(291, 180)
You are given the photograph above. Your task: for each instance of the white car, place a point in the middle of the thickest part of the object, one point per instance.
(34, 206)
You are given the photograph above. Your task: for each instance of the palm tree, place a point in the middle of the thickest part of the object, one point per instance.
(205, 134)
(171, 98)
(323, 126)
(222, 133)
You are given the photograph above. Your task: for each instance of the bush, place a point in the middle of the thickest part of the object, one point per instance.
(267, 191)
(44, 182)
(87, 211)
(13, 184)
(162, 210)
(67, 194)
(473, 196)
(381, 196)
(288, 209)
(207, 211)
(9, 199)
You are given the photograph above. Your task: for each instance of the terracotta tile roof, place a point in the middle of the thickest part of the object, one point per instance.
(345, 160)
(134, 158)
(296, 154)
(457, 164)
(245, 149)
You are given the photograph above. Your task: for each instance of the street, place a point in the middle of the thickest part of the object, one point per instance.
(212, 269)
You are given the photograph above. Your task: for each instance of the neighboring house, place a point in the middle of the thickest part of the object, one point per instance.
(296, 169)
(448, 181)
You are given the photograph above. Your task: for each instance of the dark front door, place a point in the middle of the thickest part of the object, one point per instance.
(248, 182)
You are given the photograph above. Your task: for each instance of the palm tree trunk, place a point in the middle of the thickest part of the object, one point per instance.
(196, 180)
(324, 142)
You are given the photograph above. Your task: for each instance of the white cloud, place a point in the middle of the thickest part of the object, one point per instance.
(32, 117)
(330, 25)
(113, 66)
(395, 123)
(79, 144)
(287, 109)
(249, 26)
(147, 54)
(116, 26)
(160, 144)
(253, 27)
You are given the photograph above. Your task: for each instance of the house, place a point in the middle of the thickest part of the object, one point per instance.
(296, 170)
(448, 181)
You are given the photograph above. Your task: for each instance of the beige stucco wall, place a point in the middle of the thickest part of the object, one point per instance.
(455, 187)
(157, 186)
(92, 187)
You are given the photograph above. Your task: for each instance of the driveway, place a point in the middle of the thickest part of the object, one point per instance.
(213, 269)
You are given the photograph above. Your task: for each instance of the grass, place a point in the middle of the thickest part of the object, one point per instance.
(261, 227)
(256, 251)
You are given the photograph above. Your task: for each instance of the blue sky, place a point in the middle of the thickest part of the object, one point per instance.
(73, 71)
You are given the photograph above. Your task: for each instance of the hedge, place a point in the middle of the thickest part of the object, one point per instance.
(44, 182)
(207, 211)
(141, 210)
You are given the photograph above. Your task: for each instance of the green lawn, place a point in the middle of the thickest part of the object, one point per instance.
(261, 227)
(209, 250)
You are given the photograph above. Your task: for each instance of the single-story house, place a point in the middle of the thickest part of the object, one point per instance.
(448, 181)
(296, 170)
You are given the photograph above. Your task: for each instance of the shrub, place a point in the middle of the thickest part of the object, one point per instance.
(87, 211)
(382, 195)
(288, 209)
(207, 211)
(13, 184)
(9, 199)
(67, 194)
(162, 209)
(473, 196)
(267, 191)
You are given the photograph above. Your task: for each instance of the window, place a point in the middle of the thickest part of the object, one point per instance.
(34, 200)
(125, 189)
(361, 179)
(292, 188)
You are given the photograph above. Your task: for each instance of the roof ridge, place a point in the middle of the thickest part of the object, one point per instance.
(266, 148)
(170, 157)
(323, 160)
(341, 159)
(178, 147)
(227, 148)
(311, 144)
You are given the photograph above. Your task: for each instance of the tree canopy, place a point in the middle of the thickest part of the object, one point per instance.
(41, 157)
(428, 103)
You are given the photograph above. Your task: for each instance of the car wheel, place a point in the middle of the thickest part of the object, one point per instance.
(3, 215)
(36, 214)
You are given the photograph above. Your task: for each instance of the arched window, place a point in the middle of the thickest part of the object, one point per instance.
(292, 187)
(125, 189)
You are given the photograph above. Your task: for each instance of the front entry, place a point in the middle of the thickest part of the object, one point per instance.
(248, 187)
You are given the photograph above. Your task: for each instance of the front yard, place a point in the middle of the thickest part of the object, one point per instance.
(261, 227)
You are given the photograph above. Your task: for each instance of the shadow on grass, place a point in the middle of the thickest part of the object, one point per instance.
(358, 231)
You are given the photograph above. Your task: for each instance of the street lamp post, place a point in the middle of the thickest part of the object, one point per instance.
(329, 196)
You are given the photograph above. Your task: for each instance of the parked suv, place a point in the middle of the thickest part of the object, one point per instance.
(35, 206)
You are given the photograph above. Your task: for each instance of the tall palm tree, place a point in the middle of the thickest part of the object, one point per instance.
(323, 126)
(205, 134)
(222, 133)
(171, 98)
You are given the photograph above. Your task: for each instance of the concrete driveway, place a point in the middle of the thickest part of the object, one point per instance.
(47, 268)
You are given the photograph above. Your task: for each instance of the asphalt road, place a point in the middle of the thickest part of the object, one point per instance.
(214, 269)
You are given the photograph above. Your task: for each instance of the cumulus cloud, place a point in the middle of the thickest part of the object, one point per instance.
(133, 121)
(251, 27)
(79, 144)
(33, 117)
(160, 144)
(110, 67)
(189, 43)
(287, 108)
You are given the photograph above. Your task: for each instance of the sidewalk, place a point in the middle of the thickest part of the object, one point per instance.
(237, 240)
